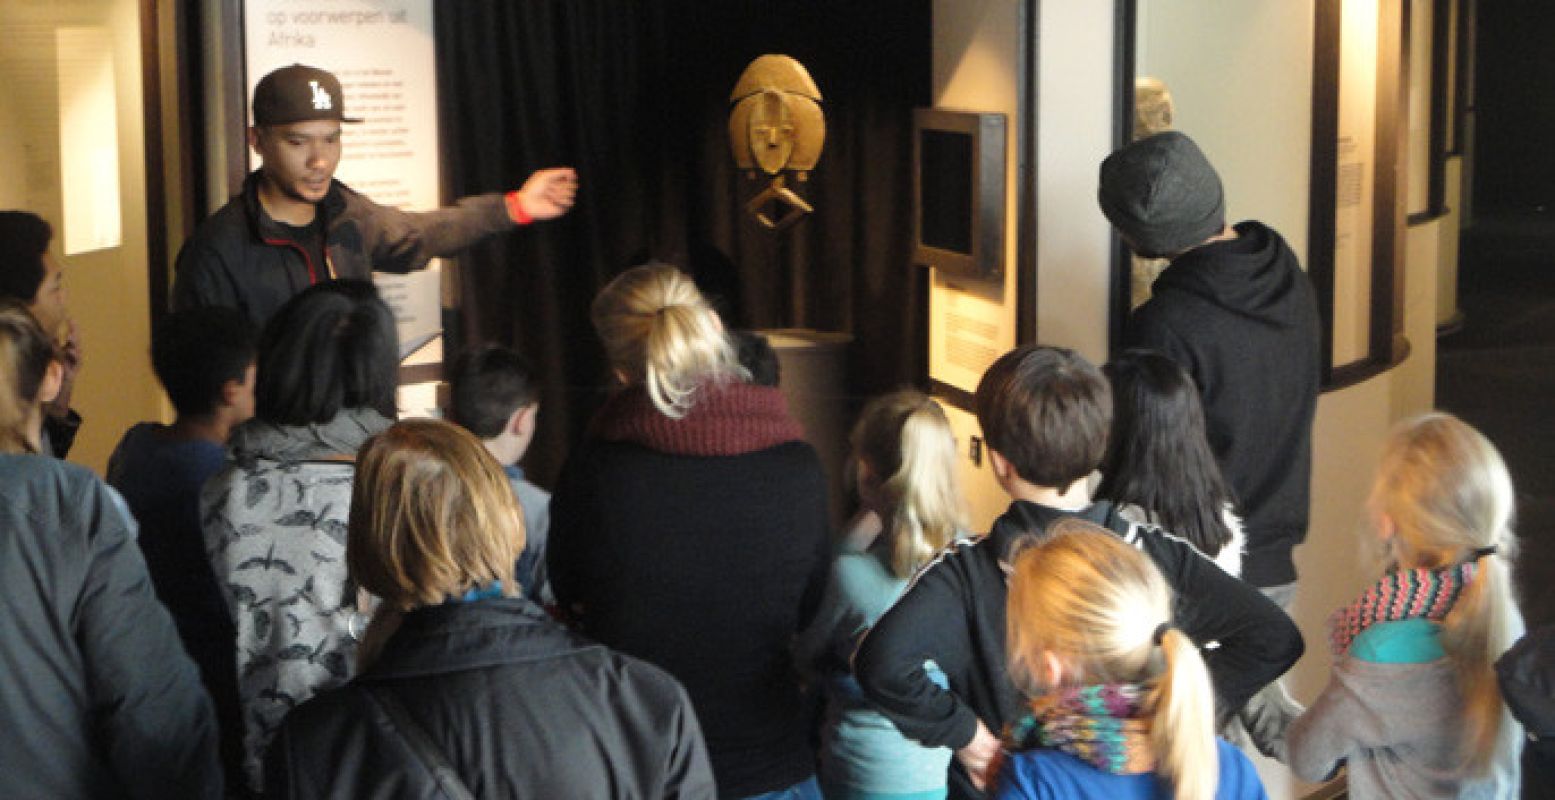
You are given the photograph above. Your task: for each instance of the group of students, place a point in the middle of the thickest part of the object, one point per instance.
(364, 612)
(290, 593)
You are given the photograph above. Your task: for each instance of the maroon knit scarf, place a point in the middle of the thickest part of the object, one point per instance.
(725, 420)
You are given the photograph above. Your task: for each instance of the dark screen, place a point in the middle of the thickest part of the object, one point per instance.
(945, 172)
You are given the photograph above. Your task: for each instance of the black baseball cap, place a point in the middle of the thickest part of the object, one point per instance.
(298, 93)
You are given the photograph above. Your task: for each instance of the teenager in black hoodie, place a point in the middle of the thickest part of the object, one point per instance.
(1045, 413)
(1234, 310)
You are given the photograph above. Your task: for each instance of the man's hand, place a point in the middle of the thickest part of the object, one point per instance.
(978, 754)
(70, 360)
(549, 193)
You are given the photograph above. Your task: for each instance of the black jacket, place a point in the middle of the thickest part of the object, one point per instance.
(99, 699)
(519, 706)
(1241, 318)
(241, 258)
(953, 613)
(708, 567)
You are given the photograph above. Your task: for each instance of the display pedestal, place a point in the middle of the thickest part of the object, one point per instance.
(814, 379)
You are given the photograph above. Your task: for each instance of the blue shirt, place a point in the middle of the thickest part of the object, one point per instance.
(1043, 774)
(536, 504)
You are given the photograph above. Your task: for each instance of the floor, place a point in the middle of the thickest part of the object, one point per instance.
(1498, 373)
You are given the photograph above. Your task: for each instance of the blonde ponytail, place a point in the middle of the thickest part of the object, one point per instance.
(1183, 729)
(906, 441)
(659, 331)
(1097, 604)
(1449, 496)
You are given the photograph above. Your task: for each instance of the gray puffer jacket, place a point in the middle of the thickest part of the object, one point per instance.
(99, 699)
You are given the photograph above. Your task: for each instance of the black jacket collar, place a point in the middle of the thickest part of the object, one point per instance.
(458, 636)
(1025, 519)
(268, 230)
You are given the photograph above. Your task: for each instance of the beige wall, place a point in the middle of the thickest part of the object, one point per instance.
(975, 59)
(1221, 65)
(108, 292)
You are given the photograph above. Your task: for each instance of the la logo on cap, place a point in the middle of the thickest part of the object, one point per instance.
(321, 99)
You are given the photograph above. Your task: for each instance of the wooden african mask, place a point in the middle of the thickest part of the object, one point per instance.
(777, 126)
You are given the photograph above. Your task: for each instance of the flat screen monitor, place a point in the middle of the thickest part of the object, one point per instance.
(958, 192)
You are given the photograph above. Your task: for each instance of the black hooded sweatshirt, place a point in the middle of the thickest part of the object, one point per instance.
(953, 613)
(1241, 318)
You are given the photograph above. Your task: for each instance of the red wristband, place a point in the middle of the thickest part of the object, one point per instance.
(516, 209)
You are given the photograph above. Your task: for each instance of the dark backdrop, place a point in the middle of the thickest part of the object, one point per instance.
(1514, 116)
(635, 95)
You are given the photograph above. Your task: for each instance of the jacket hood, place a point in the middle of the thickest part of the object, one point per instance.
(1248, 275)
(1023, 520)
(342, 436)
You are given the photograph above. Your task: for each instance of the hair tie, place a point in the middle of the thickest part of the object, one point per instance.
(1481, 552)
(1160, 633)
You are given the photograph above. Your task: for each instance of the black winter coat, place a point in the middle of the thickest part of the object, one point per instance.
(954, 614)
(99, 699)
(1240, 317)
(241, 258)
(519, 707)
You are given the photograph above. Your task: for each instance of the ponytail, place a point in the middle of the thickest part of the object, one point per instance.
(1182, 731)
(1089, 599)
(906, 440)
(1449, 496)
(659, 331)
(1475, 633)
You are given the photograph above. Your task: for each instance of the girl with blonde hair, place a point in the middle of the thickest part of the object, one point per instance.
(465, 683)
(690, 528)
(30, 376)
(1412, 707)
(1119, 699)
(905, 468)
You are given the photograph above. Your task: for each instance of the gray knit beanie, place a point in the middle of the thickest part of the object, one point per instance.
(1162, 195)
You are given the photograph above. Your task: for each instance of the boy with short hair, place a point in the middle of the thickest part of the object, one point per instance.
(204, 358)
(493, 396)
(1045, 413)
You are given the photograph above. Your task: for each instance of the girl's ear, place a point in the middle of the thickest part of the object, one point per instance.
(1387, 529)
(1052, 669)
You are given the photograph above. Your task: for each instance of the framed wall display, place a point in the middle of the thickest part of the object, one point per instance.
(958, 192)
(1355, 247)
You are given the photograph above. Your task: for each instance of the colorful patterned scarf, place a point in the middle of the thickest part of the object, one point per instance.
(1401, 594)
(1106, 725)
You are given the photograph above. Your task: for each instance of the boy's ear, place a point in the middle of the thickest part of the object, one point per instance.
(523, 420)
(53, 381)
(1000, 465)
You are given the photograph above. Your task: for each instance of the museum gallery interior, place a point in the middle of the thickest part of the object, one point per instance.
(932, 202)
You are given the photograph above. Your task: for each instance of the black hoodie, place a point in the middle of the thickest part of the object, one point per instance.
(953, 613)
(1241, 318)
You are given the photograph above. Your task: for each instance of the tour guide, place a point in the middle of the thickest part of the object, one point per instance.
(294, 225)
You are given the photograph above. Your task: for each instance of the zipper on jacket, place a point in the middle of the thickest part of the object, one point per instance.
(307, 260)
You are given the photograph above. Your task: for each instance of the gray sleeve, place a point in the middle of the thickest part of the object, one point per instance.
(404, 241)
(155, 719)
(1333, 727)
(689, 773)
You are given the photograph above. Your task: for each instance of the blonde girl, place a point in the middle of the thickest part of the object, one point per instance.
(1120, 700)
(905, 467)
(1412, 706)
(690, 527)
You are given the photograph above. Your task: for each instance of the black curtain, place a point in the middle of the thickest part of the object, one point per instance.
(635, 95)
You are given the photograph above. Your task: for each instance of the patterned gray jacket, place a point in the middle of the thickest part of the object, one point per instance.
(275, 531)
